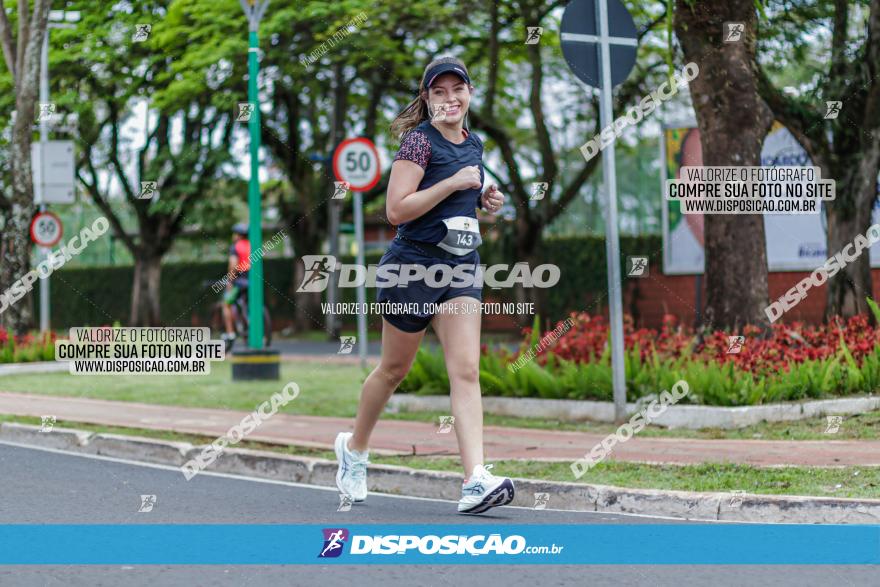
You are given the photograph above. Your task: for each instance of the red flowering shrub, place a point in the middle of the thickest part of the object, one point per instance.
(26, 348)
(587, 340)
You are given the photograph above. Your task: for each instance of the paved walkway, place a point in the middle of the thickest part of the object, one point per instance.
(395, 437)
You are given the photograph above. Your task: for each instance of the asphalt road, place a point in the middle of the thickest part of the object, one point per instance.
(40, 487)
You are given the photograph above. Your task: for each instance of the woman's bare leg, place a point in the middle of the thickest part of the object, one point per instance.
(399, 349)
(459, 333)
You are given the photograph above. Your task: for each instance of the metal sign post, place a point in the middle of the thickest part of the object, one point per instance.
(42, 195)
(43, 252)
(356, 162)
(361, 291)
(599, 41)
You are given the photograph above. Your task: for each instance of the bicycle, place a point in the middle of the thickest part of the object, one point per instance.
(240, 318)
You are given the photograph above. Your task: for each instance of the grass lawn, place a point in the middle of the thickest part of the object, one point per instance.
(856, 482)
(325, 390)
(333, 390)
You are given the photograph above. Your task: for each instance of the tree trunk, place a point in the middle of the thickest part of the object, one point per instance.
(22, 57)
(733, 121)
(145, 290)
(848, 289)
(16, 245)
(846, 149)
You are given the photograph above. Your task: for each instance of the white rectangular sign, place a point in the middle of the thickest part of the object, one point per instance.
(53, 168)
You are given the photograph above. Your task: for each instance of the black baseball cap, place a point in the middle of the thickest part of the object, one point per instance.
(442, 68)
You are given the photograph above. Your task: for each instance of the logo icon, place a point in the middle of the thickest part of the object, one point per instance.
(446, 424)
(533, 34)
(141, 32)
(735, 344)
(539, 189)
(733, 31)
(637, 266)
(346, 345)
(541, 500)
(736, 498)
(46, 423)
(334, 540)
(345, 502)
(148, 190)
(340, 189)
(46, 110)
(832, 109)
(318, 270)
(147, 503)
(245, 109)
(834, 423)
(439, 112)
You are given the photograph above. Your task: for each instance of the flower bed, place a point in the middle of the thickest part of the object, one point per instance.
(795, 362)
(26, 348)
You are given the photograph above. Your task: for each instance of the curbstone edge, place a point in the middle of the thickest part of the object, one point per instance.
(395, 479)
(64, 438)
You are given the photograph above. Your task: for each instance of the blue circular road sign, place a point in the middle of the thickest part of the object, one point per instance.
(580, 34)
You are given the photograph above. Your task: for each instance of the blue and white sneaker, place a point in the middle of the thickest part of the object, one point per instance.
(483, 491)
(351, 478)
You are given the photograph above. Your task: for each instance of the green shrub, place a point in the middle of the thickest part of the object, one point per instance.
(710, 383)
(27, 348)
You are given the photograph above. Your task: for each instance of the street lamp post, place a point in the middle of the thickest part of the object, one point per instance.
(254, 11)
(256, 362)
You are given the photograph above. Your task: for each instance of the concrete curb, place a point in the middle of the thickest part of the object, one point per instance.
(675, 416)
(444, 485)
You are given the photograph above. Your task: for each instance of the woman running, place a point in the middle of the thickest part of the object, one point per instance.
(433, 192)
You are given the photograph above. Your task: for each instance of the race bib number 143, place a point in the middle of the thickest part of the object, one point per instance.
(462, 235)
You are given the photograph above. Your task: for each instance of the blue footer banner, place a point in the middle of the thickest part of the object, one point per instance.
(665, 544)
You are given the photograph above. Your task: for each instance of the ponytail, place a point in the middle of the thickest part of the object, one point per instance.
(411, 117)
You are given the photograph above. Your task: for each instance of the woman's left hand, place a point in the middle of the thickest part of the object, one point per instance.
(493, 199)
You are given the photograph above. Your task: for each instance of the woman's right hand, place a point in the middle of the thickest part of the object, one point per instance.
(466, 178)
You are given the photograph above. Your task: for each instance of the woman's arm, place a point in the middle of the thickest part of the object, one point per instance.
(403, 203)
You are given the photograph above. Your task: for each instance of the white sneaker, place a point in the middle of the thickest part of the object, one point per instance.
(483, 491)
(351, 478)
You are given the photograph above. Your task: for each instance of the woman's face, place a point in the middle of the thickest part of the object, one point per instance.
(450, 95)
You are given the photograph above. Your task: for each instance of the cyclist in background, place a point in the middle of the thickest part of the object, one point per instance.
(237, 277)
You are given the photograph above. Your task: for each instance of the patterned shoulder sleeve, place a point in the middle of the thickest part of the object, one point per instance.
(415, 147)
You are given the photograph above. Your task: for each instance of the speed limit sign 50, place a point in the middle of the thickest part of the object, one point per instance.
(46, 229)
(356, 161)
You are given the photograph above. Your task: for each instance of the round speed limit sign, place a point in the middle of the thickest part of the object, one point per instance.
(46, 229)
(356, 161)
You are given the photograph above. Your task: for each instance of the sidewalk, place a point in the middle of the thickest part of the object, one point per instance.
(395, 437)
